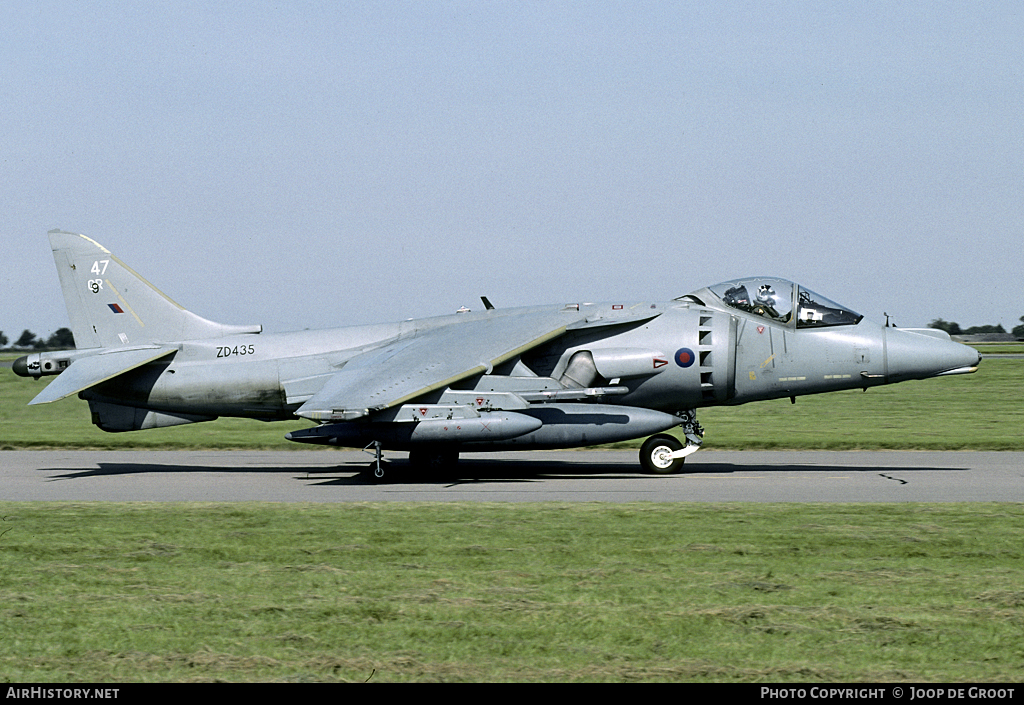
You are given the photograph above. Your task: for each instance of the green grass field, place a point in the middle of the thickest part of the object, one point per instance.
(999, 348)
(982, 411)
(104, 592)
(509, 592)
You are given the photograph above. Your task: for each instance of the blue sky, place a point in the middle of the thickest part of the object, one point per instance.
(308, 164)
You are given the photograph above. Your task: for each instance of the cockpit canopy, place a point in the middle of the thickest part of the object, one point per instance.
(776, 300)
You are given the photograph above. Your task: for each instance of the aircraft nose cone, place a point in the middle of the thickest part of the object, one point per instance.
(20, 366)
(913, 355)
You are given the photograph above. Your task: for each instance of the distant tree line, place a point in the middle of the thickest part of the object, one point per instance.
(955, 329)
(62, 338)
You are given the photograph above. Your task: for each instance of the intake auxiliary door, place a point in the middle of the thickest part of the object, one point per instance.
(716, 356)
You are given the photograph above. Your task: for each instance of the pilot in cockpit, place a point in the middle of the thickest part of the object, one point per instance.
(812, 310)
(765, 302)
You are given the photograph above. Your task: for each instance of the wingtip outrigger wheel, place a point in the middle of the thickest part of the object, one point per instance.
(376, 471)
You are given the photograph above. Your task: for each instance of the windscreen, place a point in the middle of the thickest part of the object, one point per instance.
(774, 299)
(814, 310)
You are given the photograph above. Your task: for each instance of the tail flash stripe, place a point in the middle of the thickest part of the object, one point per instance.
(124, 304)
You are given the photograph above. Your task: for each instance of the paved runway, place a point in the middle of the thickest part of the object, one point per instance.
(566, 476)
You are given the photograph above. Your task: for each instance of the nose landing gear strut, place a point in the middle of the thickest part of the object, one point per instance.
(663, 454)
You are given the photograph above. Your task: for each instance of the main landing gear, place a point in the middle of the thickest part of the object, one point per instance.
(663, 454)
(421, 459)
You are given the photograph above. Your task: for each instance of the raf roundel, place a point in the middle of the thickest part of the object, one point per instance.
(685, 357)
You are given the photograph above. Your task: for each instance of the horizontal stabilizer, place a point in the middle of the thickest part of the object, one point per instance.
(89, 371)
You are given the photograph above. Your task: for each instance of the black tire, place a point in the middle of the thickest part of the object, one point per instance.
(654, 452)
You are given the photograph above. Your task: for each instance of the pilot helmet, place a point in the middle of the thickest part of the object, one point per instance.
(765, 294)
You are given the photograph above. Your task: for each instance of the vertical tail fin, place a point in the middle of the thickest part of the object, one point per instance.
(111, 306)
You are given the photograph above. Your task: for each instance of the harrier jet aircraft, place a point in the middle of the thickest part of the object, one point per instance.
(555, 376)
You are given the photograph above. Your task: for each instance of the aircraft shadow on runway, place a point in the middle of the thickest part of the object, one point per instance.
(474, 470)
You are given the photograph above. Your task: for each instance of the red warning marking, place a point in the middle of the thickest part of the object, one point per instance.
(658, 362)
(423, 412)
(616, 307)
(760, 329)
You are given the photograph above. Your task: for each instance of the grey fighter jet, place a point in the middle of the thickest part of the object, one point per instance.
(557, 376)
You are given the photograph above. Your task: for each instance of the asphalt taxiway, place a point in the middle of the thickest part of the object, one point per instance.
(562, 476)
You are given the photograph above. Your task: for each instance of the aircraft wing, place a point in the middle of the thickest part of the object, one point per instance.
(89, 371)
(432, 359)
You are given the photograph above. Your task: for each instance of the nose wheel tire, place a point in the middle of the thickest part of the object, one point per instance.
(656, 455)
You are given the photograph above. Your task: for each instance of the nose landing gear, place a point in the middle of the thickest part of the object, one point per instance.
(663, 454)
